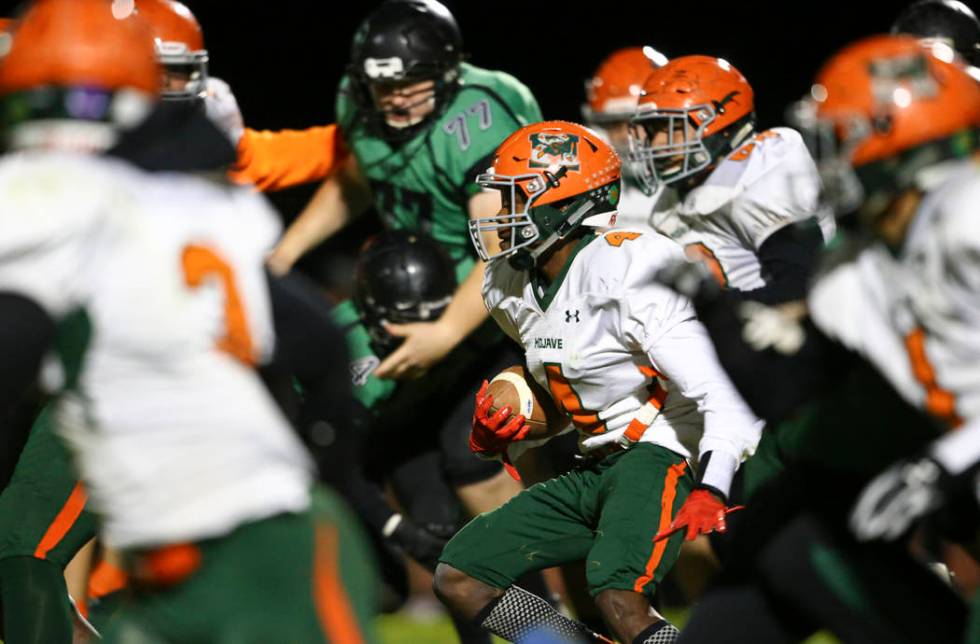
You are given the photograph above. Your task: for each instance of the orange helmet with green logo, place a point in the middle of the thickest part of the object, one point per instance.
(615, 88)
(884, 108)
(705, 106)
(554, 178)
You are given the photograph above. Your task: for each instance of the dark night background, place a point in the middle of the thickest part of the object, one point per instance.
(284, 58)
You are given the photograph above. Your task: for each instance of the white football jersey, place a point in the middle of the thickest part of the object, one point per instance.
(915, 315)
(763, 186)
(610, 344)
(159, 287)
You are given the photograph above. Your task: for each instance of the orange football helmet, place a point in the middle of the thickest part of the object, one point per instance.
(77, 42)
(180, 49)
(614, 89)
(74, 74)
(879, 102)
(692, 112)
(554, 177)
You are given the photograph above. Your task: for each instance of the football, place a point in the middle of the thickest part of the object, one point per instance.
(515, 387)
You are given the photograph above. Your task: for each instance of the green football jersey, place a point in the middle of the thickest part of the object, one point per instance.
(426, 182)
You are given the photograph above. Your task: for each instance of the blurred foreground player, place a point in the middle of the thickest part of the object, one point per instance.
(158, 332)
(884, 361)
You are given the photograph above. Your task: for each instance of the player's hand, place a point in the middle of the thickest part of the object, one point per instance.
(702, 513)
(777, 327)
(491, 433)
(421, 544)
(222, 108)
(690, 278)
(897, 498)
(425, 344)
(281, 259)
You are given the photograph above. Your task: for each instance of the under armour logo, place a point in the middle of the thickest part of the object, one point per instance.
(569, 316)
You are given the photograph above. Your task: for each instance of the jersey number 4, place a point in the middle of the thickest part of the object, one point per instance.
(570, 403)
(200, 263)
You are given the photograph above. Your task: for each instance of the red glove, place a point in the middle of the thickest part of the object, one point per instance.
(702, 513)
(491, 434)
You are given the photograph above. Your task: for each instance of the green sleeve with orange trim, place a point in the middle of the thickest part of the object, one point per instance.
(275, 160)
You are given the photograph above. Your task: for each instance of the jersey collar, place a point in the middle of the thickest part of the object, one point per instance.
(545, 293)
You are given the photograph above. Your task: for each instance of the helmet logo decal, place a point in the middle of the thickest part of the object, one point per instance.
(720, 105)
(614, 194)
(387, 68)
(549, 150)
(897, 80)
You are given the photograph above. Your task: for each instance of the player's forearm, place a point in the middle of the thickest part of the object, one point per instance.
(787, 258)
(274, 160)
(466, 311)
(342, 197)
(731, 431)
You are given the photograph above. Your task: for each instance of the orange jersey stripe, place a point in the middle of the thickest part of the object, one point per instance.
(63, 522)
(106, 579)
(674, 474)
(333, 606)
(275, 160)
(700, 252)
(939, 402)
(584, 419)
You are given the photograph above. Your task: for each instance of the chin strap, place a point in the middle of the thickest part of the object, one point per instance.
(562, 230)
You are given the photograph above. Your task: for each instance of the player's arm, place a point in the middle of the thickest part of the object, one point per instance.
(26, 333)
(940, 484)
(679, 348)
(272, 160)
(774, 374)
(684, 355)
(428, 342)
(275, 160)
(343, 196)
(787, 257)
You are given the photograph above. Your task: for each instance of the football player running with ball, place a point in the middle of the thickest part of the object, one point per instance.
(632, 370)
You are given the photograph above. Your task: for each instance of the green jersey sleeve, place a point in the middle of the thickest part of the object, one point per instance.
(369, 390)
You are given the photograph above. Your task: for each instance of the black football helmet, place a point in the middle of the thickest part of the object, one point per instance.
(950, 21)
(401, 277)
(405, 40)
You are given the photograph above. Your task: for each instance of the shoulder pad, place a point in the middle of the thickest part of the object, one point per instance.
(776, 151)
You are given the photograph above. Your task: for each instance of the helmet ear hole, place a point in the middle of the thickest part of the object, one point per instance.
(882, 124)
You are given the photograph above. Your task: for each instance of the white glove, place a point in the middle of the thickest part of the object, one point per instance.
(764, 326)
(222, 109)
